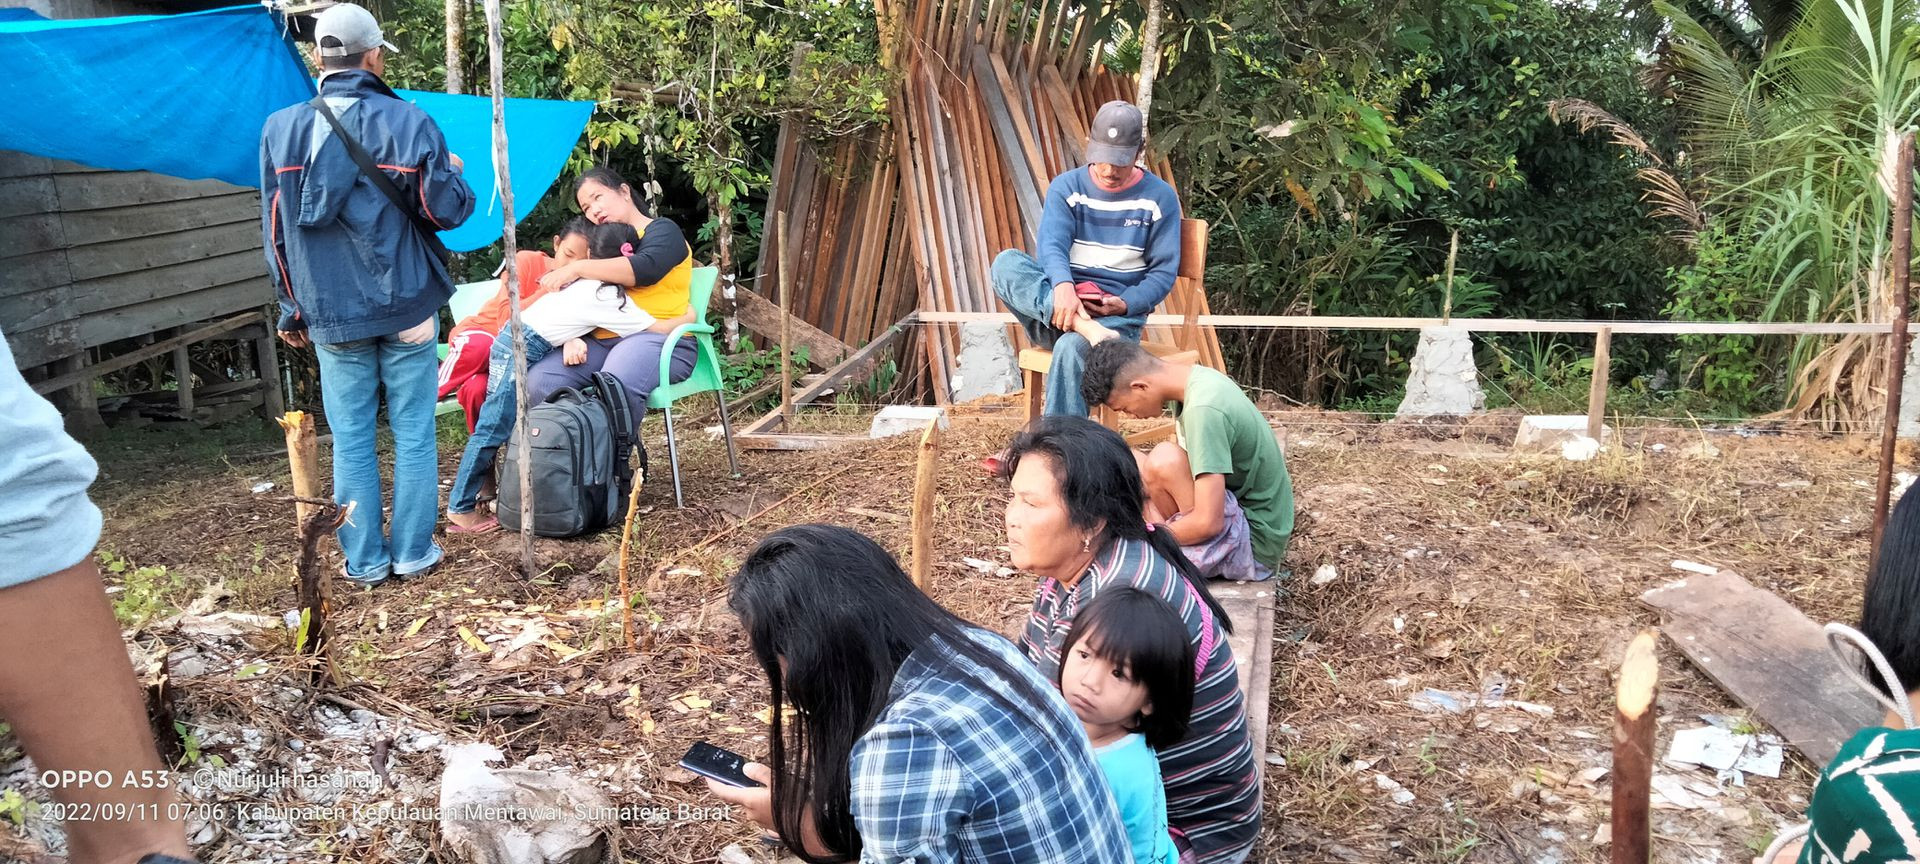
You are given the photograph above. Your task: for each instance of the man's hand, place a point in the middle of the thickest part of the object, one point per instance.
(756, 802)
(458, 163)
(1107, 305)
(1066, 307)
(295, 338)
(558, 277)
(574, 352)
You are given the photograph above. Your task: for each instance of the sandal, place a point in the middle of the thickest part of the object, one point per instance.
(489, 526)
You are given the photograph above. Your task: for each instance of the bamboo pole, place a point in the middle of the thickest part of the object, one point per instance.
(510, 241)
(1897, 349)
(303, 451)
(1597, 388)
(1633, 734)
(923, 490)
(1446, 300)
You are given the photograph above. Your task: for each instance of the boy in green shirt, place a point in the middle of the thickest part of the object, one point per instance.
(1222, 484)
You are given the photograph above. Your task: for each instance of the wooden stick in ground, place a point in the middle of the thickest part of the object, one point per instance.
(511, 247)
(303, 450)
(923, 489)
(1900, 285)
(1597, 388)
(626, 542)
(315, 635)
(1633, 730)
(786, 318)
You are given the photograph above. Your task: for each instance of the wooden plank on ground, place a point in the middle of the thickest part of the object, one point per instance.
(763, 317)
(1768, 656)
(855, 366)
(1250, 606)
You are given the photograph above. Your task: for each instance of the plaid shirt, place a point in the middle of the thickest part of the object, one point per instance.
(963, 767)
(1213, 783)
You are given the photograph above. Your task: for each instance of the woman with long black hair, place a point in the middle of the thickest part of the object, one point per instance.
(1075, 518)
(915, 736)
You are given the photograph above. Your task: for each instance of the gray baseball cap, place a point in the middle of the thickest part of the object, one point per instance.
(1118, 134)
(353, 26)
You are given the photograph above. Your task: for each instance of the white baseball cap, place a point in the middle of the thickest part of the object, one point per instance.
(353, 26)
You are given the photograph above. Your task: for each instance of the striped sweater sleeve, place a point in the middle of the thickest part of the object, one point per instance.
(1163, 256)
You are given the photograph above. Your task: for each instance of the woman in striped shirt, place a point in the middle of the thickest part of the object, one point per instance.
(1074, 519)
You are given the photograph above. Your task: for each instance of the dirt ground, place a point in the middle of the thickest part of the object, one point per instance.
(1425, 557)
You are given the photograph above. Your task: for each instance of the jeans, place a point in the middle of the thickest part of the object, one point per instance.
(497, 415)
(1020, 283)
(352, 375)
(634, 360)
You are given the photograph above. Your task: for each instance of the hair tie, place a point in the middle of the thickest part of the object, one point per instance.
(626, 249)
(1149, 527)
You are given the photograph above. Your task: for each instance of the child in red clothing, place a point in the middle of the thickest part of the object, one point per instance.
(464, 372)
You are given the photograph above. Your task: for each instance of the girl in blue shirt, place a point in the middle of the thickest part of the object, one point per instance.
(1126, 670)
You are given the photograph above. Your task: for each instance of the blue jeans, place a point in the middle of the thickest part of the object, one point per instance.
(1020, 283)
(497, 415)
(352, 374)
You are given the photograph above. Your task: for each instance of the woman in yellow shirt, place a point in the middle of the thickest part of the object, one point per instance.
(657, 273)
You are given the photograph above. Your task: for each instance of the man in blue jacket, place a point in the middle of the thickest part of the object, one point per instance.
(357, 277)
(1109, 249)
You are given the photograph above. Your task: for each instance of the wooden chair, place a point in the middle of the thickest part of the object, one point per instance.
(1175, 344)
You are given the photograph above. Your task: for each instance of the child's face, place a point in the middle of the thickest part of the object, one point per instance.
(1104, 697)
(569, 249)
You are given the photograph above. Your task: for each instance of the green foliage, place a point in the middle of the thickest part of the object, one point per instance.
(746, 368)
(1713, 287)
(145, 592)
(15, 808)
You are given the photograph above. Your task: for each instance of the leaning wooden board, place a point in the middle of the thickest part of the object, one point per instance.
(1768, 656)
(1250, 606)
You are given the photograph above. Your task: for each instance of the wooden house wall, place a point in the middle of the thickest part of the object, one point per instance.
(88, 257)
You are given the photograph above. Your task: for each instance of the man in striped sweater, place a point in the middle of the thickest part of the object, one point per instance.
(1108, 251)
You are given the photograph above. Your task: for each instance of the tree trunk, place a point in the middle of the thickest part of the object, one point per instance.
(510, 245)
(456, 45)
(1149, 60)
(723, 259)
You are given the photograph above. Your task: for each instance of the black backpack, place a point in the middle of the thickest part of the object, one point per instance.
(578, 449)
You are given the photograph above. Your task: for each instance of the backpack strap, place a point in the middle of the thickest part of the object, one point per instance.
(378, 177)
(619, 409)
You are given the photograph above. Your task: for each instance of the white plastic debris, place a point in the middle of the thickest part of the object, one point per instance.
(980, 565)
(1724, 750)
(1325, 573)
(1579, 448)
(262, 488)
(1394, 790)
(1692, 567)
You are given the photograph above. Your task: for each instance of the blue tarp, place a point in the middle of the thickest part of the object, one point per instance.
(186, 95)
(14, 13)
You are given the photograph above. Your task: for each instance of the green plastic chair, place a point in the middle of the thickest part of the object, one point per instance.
(705, 377)
(466, 300)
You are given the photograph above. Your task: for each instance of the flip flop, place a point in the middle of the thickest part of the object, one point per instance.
(992, 464)
(491, 525)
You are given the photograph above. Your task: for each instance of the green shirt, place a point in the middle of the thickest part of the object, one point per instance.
(1224, 434)
(1864, 806)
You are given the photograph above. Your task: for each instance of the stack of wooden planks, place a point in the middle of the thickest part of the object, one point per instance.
(991, 100)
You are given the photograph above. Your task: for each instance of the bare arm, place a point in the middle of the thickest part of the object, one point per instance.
(666, 325)
(1207, 515)
(613, 271)
(70, 694)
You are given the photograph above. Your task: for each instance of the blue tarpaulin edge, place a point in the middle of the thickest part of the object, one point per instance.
(185, 95)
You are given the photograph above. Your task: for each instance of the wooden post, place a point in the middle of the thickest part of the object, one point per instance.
(314, 637)
(1901, 285)
(81, 408)
(1633, 733)
(626, 542)
(266, 358)
(509, 239)
(923, 489)
(786, 318)
(183, 380)
(1446, 299)
(303, 451)
(1597, 390)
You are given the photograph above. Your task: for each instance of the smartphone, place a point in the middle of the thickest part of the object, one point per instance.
(1088, 291)
(718, 764)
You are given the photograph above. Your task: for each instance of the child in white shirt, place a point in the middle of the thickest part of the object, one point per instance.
(559, 317)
